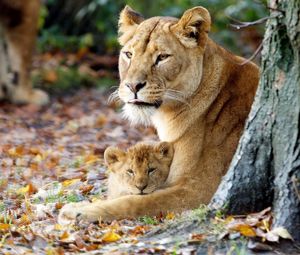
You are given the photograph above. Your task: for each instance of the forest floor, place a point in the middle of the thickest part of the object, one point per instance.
(53, 155)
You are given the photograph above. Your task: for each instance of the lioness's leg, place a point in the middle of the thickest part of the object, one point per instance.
(18, 21)
(173, 199)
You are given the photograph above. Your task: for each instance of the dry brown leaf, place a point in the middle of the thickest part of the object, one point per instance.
(90, 159)
(86, 188)
(65, 235)
(28, 189)
(50, 76)
(4, 227)
(17, 151)
(139, 230)
(198, 237)
(101, 120)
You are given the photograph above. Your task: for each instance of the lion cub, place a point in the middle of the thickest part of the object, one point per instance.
(140, 170)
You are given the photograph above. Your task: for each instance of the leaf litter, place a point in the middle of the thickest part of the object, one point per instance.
(51, 156)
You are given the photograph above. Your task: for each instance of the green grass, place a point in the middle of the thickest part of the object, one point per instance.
(148, 220)
(200, 213)
(77, 162)
(239, 248)
(72, 198)
(54, 198)
(2, 207)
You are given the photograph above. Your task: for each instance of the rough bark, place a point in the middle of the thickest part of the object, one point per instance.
(265, 169)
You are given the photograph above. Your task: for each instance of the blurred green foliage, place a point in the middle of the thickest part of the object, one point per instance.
(70, 25)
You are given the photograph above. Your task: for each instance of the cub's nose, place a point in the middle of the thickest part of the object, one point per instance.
(135, 86)
(141, 187)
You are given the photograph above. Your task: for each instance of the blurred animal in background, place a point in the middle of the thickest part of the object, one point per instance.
(18, 30)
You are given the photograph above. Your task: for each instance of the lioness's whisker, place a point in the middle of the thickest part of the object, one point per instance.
(176, 91)
(114, 97)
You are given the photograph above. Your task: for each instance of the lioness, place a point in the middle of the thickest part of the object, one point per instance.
(195, 93)
(18, 30)
(140, 170)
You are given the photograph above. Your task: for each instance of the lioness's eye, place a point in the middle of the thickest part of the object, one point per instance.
(128, 54)
(151, 170)
(130, 172)
(161, 57)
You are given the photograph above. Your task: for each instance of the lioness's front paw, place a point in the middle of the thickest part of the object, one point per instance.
(39, 97)
(28, 96)
(70, 212)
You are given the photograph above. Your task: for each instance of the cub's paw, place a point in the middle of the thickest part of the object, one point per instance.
(69, 213)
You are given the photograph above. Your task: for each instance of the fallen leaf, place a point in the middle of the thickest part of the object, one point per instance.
(282, 232)
(28, 189)
(24, 220)
(90, 159)
(17, 151)
(139, 230)
(170, 216)
(111, 236)
(4, 227)
(65, 235)
(198, 237)
(86, 188)
(67, 183)
(50, 76)
(245, 230)
(271, 237)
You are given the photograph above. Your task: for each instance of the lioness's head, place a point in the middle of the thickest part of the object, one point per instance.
(141, 169)
(160, 63)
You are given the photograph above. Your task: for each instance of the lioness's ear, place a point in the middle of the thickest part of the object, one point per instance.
(128, 22)
(113, 155)
(166, 150)
(193, 27)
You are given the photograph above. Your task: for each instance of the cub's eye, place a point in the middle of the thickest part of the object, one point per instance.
(130, 172)
(151, 170)
(128, 54)
(161, 57)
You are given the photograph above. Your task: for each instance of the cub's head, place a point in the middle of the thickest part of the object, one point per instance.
(160, 63)
(141, 169)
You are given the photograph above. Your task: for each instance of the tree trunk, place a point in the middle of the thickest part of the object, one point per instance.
(265, 169)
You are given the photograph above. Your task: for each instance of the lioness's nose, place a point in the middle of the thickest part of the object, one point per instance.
(141, 187)
(135, 86)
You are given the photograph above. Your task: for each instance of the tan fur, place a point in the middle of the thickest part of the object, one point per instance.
(201, 96)
(18, 30)
(140, 170)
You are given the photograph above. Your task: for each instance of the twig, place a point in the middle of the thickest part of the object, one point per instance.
(253, 55)
(242, 24)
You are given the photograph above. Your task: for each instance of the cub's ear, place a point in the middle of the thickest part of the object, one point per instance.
(113, 155)
(166, 150)
(128, 22)
(193, 27)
